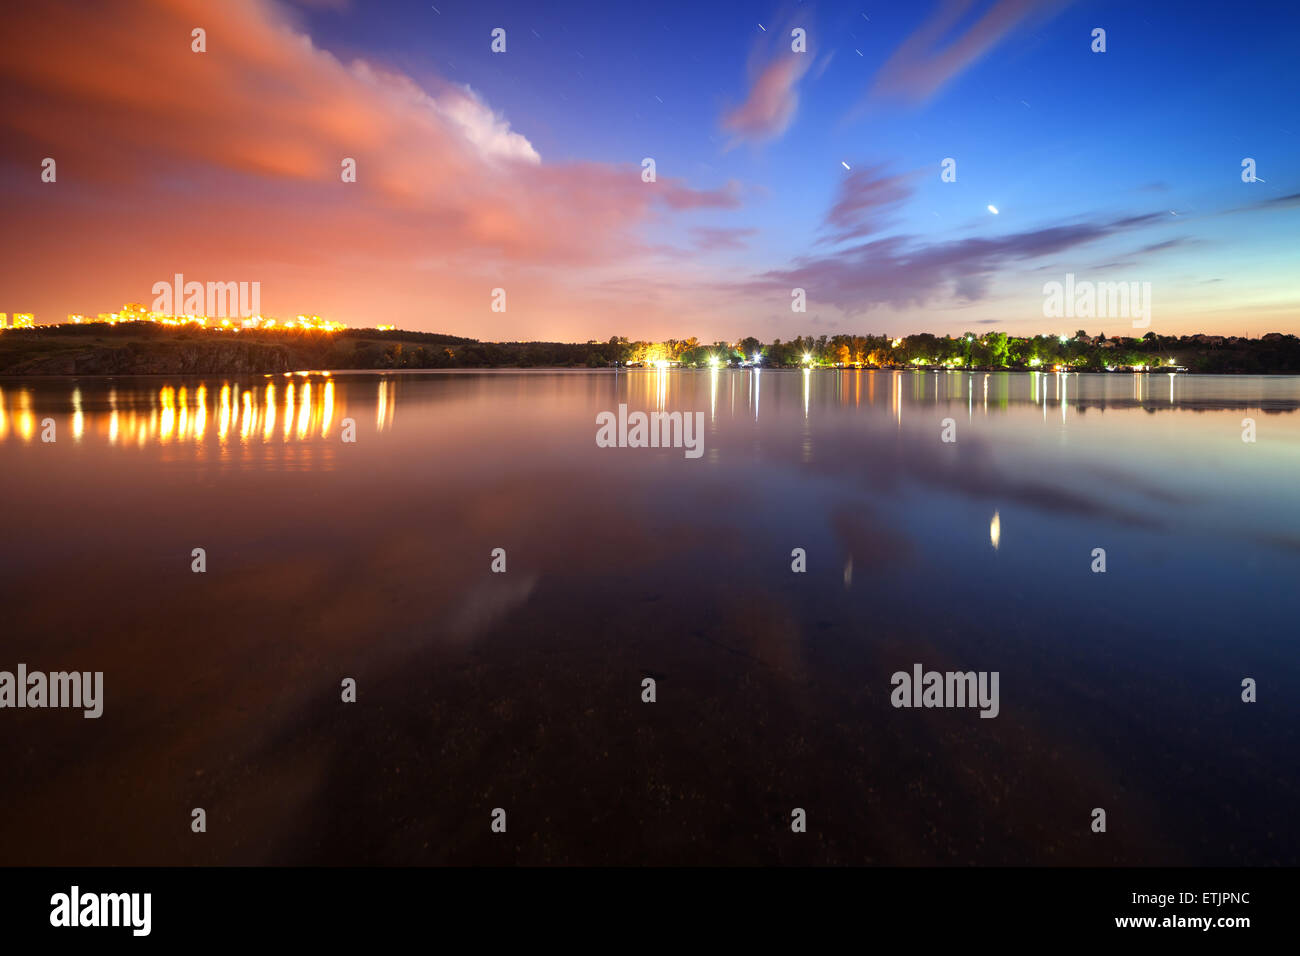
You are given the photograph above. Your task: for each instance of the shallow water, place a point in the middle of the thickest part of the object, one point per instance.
(477, 690)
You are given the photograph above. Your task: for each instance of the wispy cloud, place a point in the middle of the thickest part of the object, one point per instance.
(713, 238)
(868, 202)
(772, 102)
(942, 48)
(902, 271)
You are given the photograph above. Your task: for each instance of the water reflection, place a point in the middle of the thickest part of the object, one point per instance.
(306, 407)
(625, 560)
(164, 414)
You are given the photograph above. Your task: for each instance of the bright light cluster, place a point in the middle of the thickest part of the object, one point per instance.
(135, 312)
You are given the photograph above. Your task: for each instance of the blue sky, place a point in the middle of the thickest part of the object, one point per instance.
(1041, 127)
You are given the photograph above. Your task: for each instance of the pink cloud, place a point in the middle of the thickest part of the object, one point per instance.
(918, 69)
(114, 92)
(772, 102)
(710, 238)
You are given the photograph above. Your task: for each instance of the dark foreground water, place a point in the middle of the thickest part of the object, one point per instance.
(476, 690)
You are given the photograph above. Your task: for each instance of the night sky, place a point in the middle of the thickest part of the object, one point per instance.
(523, 170)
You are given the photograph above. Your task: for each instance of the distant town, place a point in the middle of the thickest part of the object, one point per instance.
(136, 312)
(136, 340)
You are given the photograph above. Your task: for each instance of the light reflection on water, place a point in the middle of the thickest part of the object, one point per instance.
(371, 560)
(242, 410)
(145, 413)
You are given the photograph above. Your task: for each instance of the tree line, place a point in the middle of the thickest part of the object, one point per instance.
(392, 349)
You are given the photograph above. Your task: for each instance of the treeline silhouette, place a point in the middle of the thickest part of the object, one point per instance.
(95, 347)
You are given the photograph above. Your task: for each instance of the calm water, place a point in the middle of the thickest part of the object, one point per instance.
(371, 560)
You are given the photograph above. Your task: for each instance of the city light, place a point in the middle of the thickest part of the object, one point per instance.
(135, 312)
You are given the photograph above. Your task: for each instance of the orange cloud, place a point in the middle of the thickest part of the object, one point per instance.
(113, 91)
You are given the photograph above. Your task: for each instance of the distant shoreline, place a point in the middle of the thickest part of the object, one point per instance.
(144, 348)
(824, 369)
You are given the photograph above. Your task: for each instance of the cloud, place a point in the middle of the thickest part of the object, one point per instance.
(262, 120)
(1162, 246)
(1290, 200)
(902, 272)
(867, 203)
(486, 131)
(678, 197)
(772, 102)
(920, 67)
(711, 238)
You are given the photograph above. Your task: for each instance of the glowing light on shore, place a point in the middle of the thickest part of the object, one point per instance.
(136, 312)
(995, 530)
